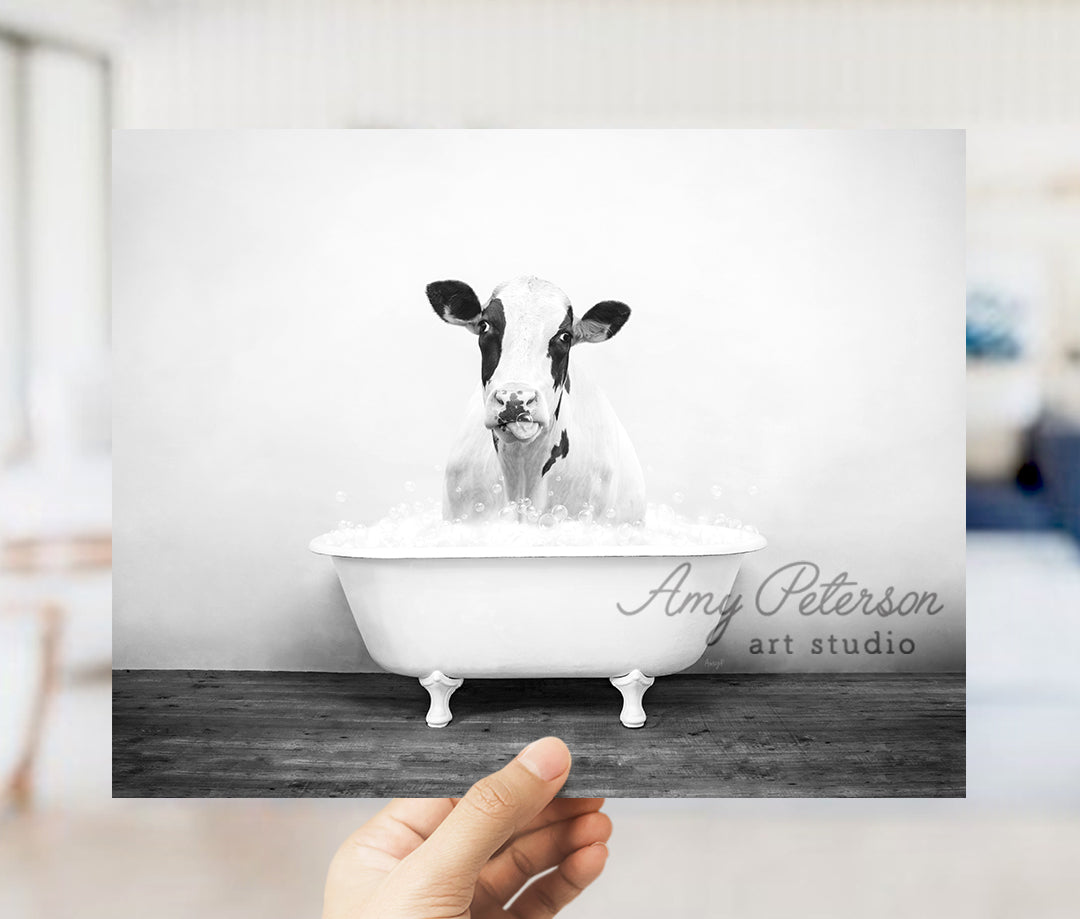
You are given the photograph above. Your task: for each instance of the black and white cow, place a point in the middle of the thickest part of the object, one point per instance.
(534, 427)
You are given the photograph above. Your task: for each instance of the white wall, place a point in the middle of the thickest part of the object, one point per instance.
(797, 337)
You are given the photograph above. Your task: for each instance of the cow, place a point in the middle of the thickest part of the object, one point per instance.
(535, 429)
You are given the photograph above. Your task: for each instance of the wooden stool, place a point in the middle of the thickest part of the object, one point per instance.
(34, 558)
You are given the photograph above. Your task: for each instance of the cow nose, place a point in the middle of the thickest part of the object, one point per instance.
(525, 396)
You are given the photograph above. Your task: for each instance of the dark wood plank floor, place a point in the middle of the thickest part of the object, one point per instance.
(226, 733)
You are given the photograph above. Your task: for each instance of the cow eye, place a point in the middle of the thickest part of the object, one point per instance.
(483, 327)
(564, 337)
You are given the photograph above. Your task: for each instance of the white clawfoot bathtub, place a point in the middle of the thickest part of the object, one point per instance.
(445, 615)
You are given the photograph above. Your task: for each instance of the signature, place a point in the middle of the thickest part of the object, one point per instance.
(798, 582)
(726, 607)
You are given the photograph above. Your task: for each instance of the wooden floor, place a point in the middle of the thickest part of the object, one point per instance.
(245, 734)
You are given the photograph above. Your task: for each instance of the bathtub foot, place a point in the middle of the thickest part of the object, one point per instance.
(440, 687)
(632, 686)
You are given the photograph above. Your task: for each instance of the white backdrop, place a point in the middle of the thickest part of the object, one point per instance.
(796, 338)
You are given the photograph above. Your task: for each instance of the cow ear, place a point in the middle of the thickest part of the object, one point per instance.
(601, 322)
(455, 302)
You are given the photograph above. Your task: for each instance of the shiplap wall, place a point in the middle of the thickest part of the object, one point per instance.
(640, 63)
(261, 63)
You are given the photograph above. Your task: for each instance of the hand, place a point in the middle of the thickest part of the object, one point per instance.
(437, 858)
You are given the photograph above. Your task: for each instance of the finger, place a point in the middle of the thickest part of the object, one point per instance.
(535, 852)
(421, 815)
(495, 808)
(402, 825)
(545, 896)
(558, 810)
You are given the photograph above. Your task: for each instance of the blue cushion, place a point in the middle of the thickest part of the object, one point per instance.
(1004, 506)
(1057, 451)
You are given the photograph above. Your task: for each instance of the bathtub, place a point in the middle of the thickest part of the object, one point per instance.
(444, 615)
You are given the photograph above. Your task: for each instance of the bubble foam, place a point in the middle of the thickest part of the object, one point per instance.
(521, 529)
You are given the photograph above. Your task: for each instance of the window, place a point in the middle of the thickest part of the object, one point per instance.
(54, 285)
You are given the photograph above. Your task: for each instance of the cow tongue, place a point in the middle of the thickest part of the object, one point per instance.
(523, 430)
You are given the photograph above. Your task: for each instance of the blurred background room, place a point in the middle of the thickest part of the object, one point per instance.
(71, 69)
(1023, 457)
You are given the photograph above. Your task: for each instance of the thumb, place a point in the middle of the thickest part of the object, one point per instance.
(492, 811)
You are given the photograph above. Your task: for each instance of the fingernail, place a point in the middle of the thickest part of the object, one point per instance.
(546, 758)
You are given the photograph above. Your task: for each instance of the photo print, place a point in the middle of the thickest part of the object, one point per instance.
(429, 440)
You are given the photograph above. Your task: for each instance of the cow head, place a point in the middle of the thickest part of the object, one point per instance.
(525, 332)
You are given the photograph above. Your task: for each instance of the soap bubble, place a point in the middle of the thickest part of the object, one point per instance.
(341, 497)
(526, 502)
(478, 507)
(496, 488)
(559, 512)
(532, 514)
(678, 497)
(610, 513)
(458, 490)
(509, 513)
(410, 486)
(558, 478)
(551, 492)
(585, 515)
(717, 491)
(752, 490)
(548, 520)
